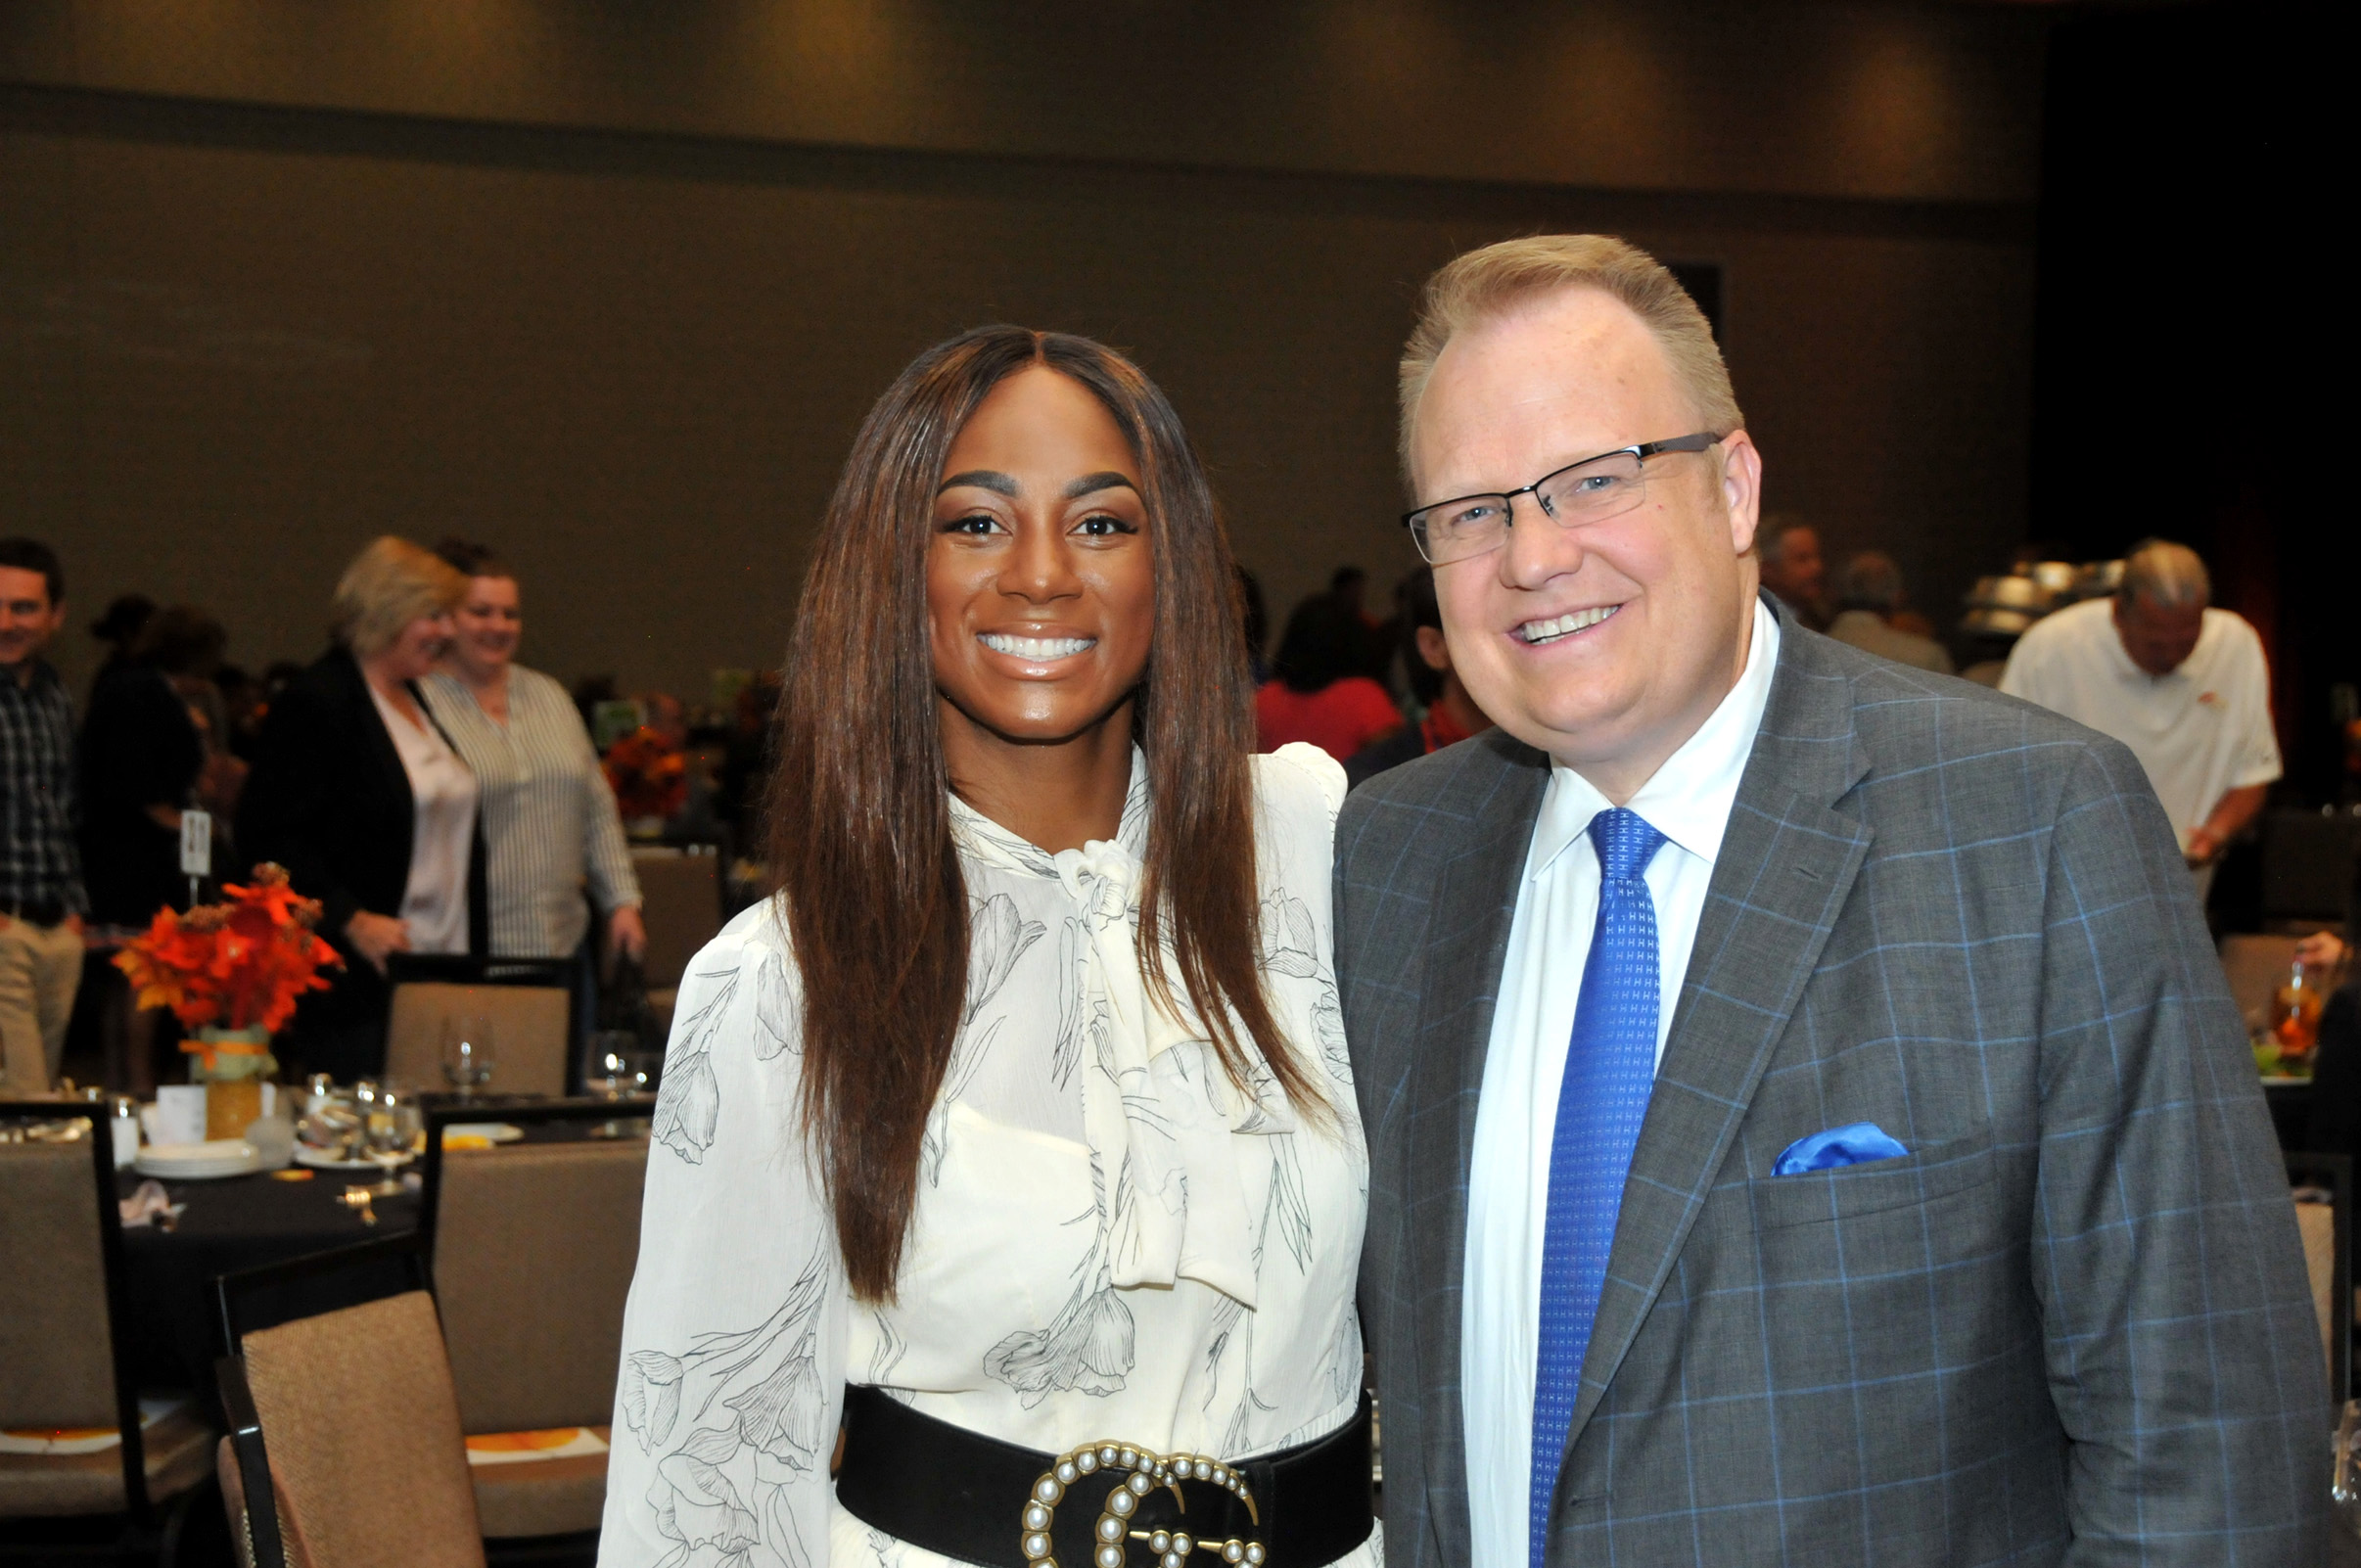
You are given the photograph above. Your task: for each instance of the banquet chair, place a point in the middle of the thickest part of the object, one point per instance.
(2326, 1230)
(532, 1247)
(2253, 964)
(65, 1362)
(680, 904)
(345, 1449)
(530, 1002)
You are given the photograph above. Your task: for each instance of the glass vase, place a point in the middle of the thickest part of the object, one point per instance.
(233, 1082)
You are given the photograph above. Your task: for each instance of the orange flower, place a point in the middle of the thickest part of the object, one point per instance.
(648, 777)
(239, 964)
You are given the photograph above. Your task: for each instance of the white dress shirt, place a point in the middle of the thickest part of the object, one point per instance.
(443, 831)
(1688, 801)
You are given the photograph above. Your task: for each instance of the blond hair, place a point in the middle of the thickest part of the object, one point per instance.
(389, 585)
(1486, 284)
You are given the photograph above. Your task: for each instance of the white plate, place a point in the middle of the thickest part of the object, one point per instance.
(320, 1160)
(488, 1131)
(199, 1162)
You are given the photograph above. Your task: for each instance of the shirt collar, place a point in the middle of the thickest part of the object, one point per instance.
(1688, 799)
(44, 676)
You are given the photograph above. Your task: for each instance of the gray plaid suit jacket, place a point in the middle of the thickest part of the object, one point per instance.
(2070, 1326)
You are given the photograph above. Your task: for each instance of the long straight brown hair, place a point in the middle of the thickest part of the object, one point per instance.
(860, 826)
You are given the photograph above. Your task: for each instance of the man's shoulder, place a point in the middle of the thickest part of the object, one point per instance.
(2229, 637)
(1940, 731)
(1435, 799)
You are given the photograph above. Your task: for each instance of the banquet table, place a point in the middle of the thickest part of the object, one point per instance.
(240, 1223)
(229, 1225)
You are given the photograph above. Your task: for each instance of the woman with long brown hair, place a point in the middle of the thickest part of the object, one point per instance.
(1012, 1143)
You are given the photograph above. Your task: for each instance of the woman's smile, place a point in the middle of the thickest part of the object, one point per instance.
(1035, 650)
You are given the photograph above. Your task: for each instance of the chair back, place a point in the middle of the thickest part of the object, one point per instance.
(2254, 963)
(53, 1321)
(363, 1433)
(2326, 1230)
(59, 1363)
(531, 1034)
(534, 1248)
(680, 893)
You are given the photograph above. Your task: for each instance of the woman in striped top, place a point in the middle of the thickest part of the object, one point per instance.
(549, 822)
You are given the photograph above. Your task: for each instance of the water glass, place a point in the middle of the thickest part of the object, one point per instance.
(469, 1052)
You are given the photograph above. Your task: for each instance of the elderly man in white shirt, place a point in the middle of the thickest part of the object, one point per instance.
(2185, 686)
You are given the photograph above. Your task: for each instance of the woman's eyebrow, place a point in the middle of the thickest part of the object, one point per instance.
(1092, 484)
(983, 478)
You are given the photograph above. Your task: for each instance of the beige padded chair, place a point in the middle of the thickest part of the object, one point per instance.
(2255, 964)
(2316, 1223)
(367, 1464)
(681, 907)
(57, 1352)
(534, 1250)
(528, 1024)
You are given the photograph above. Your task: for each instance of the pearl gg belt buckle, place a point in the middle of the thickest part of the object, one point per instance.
(1148, 1470)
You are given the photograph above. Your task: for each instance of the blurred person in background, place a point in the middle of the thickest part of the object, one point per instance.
(243, 706)
(2182, 684)
(149, 753)
(747, 759)
(362, 798)
(1256, 615)
(550, 829)
(116, 628)
(1318, 692)
(1868, 601)
(41, 898)
(1793, 567)
(1451, 715)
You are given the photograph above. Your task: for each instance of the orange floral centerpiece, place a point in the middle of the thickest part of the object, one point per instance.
(648, 774)
(232, 973)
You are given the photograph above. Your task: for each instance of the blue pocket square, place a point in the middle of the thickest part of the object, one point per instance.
(1855, 1144)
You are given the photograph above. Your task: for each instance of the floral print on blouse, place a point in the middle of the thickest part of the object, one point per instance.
(1111, 1240)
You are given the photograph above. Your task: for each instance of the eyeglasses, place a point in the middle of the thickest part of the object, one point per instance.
(1581, 493)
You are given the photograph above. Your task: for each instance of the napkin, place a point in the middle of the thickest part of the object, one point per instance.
(146, 1203)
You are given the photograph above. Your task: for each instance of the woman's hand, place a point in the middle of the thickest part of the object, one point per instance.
(626, 934)
(377, 937)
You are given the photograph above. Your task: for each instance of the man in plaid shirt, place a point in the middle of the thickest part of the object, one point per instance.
(41, 898)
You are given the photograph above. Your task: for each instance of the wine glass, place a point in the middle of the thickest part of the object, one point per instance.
(393, 1129)
(469, 1052)
(2344, 1483)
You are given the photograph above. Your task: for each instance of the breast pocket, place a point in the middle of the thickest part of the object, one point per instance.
(1921, 1180)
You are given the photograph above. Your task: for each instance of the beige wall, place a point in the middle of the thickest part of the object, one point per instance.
(239, 338)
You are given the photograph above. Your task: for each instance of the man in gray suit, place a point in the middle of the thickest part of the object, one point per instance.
(1807, 1121)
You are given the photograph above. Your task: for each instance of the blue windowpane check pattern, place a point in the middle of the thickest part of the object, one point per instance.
(1610, 1068)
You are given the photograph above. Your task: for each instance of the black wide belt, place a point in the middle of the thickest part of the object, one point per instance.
(977, 1500)
(37, 912)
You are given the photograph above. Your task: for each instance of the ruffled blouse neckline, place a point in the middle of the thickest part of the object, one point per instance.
(982, 838)
(1158, 1110)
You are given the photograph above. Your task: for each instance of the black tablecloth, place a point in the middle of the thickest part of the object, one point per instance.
(237, 1222)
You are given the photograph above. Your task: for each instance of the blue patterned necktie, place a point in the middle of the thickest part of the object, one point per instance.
(1610, 1068)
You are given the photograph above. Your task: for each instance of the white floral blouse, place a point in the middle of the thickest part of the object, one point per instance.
(1110, 1240)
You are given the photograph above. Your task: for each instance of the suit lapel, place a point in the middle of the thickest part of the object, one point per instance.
(1786, 864)
(1475, 904)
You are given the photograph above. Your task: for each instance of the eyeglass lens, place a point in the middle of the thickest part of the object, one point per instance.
(1586, 492)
